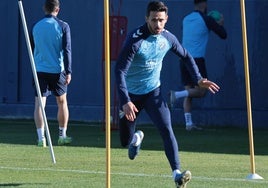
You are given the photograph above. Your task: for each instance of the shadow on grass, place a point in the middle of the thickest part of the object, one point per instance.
(226, 140)
(10, 184)
(20, 184)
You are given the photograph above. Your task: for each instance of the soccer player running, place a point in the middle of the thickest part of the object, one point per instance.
(196, 28)
(137, 74)
(51, 42)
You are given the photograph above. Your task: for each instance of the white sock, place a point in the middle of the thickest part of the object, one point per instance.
(137, 138)
(188, 119)
(175, 172)
(180, 94)
(40, 133)
(62, 132)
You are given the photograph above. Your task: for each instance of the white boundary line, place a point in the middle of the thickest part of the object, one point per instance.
(128, 174)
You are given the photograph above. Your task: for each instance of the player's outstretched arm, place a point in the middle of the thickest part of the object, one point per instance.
(211, 86)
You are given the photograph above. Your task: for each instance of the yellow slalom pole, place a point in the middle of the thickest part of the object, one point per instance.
(107, 92)
(253, 175)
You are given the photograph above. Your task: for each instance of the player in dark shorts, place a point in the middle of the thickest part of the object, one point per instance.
(196, 28)
(51, 44)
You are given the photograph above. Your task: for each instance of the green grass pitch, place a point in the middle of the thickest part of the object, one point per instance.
(217, 157)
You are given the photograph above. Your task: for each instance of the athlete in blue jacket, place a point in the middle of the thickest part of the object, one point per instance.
(138, 80)
(51, 42)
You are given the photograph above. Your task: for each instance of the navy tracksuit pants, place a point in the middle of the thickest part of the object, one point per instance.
(157, 109)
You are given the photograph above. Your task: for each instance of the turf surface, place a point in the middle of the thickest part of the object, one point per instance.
(217, 157)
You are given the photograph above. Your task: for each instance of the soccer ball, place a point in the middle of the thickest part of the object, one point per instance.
(216, 15)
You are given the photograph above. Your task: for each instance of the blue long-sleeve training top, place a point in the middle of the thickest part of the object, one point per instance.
(51, 42)
(139, 65)
(196, 29)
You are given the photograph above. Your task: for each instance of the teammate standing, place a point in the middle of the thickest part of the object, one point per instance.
(51, 42)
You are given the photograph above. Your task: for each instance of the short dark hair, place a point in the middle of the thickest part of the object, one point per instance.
(158, 6)
(199, 1)
(51, 5)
